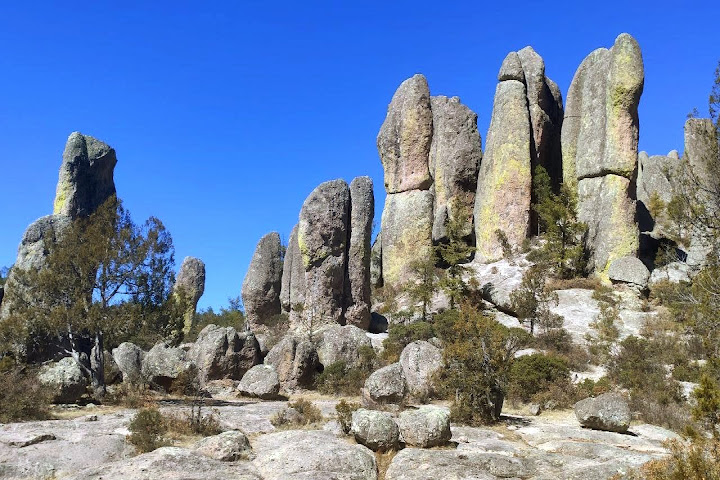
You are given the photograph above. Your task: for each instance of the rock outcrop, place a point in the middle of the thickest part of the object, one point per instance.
(323, 241)
(295, 360)
(357, 282)
(599, 147)
(524, 132)
(224, 353)
(342, 344)
(190, 286)
(454, 160)
(261, 287)
(85, 182)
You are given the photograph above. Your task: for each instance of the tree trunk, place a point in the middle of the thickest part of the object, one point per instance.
(97, 367)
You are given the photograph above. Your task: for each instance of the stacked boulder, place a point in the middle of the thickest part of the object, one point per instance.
(524, 132)
(599, 147)
(431, 151)
(85, 182)
(324, 278)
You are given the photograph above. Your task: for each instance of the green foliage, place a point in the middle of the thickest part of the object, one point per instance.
(478, 355)
(425, 285)
(400, 335)
(531, 374)
(606, 332)
(341, 379)
(504, 244)
(147, 430)
(714, 101)
(453, 253)
(230, 316)
(707, 408)
(344, 412)
(562, 248)
(532, 300)
(308, 414)
(106, 279)
(22, 397)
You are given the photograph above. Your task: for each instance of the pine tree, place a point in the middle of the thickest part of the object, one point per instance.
(454, 253)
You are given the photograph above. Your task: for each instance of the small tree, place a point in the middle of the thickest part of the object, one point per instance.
(424, 284)
(478, 355)
(453, 253)
(532, 300)
(563, 248)
(707, 407)
(105, 279)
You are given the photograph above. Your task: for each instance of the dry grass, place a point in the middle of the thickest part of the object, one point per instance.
(383, 461)
(590, 283)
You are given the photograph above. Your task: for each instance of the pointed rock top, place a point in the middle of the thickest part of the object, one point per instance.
(511, 68)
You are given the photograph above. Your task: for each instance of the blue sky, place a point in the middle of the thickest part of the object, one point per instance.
(225, 115)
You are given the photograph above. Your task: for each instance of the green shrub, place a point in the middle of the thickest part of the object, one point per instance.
(344, 412)
(308, 411)
(699, 460)
(531, 374)
(593, 388)
(477, 356)
(147, 429)
(340, 379)
(22, 397)
(707, 407)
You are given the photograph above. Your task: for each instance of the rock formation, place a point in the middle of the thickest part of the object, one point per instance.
(85, 182)
(261, 287)
(357, 282)
(190, 286)
(323, 240)
(703, 166)
(524, 132)
(599, 146)
(404, 147)
(455, 155)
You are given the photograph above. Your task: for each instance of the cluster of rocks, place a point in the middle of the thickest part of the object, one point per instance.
(409, 379)
(425, 427)
(324, 278)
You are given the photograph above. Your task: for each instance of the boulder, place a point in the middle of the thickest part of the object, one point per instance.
(129, 359)
(222, 352)
(608, 412)
(386, 385)
(629, 270)
(357, 283)
(405, 137)
(406, 234)
(65, 379)
(511, 69)
(674, 272)
(162, 365)
(306, 454)
(295, 360)
(228, 446)
(504, 186)
(599, 148)
(261, 381)
(342, 343)
(189, 287)
(606, 206)
(426, 427)
(261, 287)
(376, 430)
(420, 360)
(455, 156)
(498, 280)
(323, 242)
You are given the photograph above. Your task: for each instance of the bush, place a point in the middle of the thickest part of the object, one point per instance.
(478, 355)
(147, 429)
(307, 414)
(531, 374)
(344, 414)
(401, 335)
(707, 407)
(22, 397)
(339, 379)
(699, 460)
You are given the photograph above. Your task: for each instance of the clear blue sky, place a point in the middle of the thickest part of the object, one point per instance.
(225, 116)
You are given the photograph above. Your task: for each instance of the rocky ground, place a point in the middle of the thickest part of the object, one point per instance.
(89, 443)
